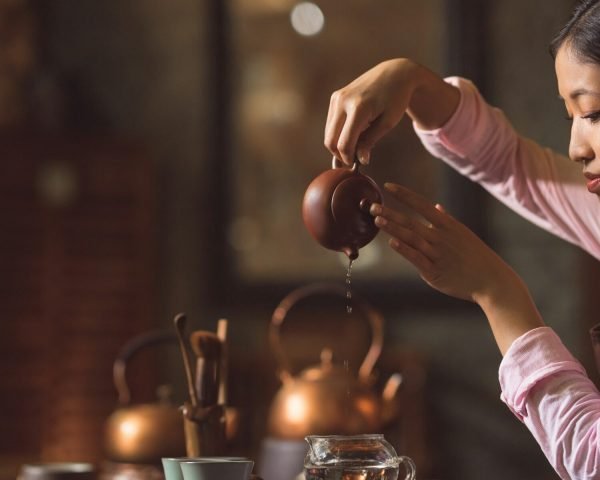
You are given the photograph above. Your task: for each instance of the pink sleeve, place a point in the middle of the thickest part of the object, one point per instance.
(546, 188)
(550, 392)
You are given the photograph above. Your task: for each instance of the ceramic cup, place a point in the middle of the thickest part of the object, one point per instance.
(172, 465)
(213, 468)
(57, 471)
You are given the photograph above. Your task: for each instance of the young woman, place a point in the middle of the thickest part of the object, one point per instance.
(541, 382)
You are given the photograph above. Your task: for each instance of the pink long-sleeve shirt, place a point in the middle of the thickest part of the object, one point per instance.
(541, 382)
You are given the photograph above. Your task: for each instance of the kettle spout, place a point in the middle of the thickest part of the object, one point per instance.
(390, 398)
(392, 386)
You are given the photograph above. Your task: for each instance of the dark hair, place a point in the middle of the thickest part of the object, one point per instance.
(582, 32)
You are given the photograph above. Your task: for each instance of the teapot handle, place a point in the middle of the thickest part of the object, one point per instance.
(337, 163)
(127, 351)
(373, 316)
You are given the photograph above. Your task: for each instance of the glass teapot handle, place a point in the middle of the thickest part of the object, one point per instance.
(409, 466)
(373, 316)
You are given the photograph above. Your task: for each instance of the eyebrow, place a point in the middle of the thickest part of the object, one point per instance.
(582, 91)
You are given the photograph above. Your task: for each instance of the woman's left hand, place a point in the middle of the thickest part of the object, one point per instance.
(455, 261)
(448, 255)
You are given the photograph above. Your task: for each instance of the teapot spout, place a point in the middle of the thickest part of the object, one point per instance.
(351, 253)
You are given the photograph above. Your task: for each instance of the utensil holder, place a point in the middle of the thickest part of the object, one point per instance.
(204, 429)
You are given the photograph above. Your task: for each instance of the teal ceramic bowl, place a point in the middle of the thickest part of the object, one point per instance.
(172, 465)
(215, 468)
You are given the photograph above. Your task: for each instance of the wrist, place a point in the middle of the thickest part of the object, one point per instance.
(502, 282)
(433, 101)
(509, 308)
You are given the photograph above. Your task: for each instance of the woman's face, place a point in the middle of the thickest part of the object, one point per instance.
(579, 87)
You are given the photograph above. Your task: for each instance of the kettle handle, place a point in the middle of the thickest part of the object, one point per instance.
(127, 351)
(373, 316)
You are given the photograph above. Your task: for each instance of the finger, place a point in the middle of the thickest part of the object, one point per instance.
(330, 110)
(417, 202)
(354, 125)
(363, 154)
(420, 261)
(335, 122)
(445, 217)
(408, 237)
(403, 220)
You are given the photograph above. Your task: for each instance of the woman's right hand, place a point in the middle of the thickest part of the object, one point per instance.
(370, 106)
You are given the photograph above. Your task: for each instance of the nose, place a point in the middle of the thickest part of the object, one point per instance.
(580, 149)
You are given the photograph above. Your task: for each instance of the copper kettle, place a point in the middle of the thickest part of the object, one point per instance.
(143, 433)
(335, 208)
(327, 399)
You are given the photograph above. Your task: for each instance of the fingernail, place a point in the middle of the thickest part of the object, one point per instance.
(376, 209)
(394, 243)
(380, 221)
(364, 156)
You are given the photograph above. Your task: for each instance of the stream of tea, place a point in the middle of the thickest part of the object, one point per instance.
(350, 471)
(349, 287)
(349, 311)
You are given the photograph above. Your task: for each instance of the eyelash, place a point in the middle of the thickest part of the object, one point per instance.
(593, 117)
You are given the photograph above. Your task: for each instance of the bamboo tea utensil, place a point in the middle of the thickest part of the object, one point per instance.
(207, 347)
(222, 335)
(191, 428)
(205, 423)
(232, 414)
(180, 321)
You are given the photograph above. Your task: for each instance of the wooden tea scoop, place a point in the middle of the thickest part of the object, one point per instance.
(207, 347)
(180, 321)
(223, 368)
(232, 415)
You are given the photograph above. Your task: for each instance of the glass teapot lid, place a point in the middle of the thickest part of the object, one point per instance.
(364, 450)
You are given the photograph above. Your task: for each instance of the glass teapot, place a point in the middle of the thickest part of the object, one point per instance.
(357, 457)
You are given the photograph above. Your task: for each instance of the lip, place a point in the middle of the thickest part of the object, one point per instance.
(593, 183)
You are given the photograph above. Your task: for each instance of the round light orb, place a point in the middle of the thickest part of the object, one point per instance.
(307, 19)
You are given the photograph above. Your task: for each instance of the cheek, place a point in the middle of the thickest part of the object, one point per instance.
(585, 136)
(592, 136)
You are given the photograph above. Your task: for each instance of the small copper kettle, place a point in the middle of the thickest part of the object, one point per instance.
(146, 432)
(327, 399)
(336, 206)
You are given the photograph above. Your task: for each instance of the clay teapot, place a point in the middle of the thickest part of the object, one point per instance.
(146, 432)
(336, 206)
(328, 399)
